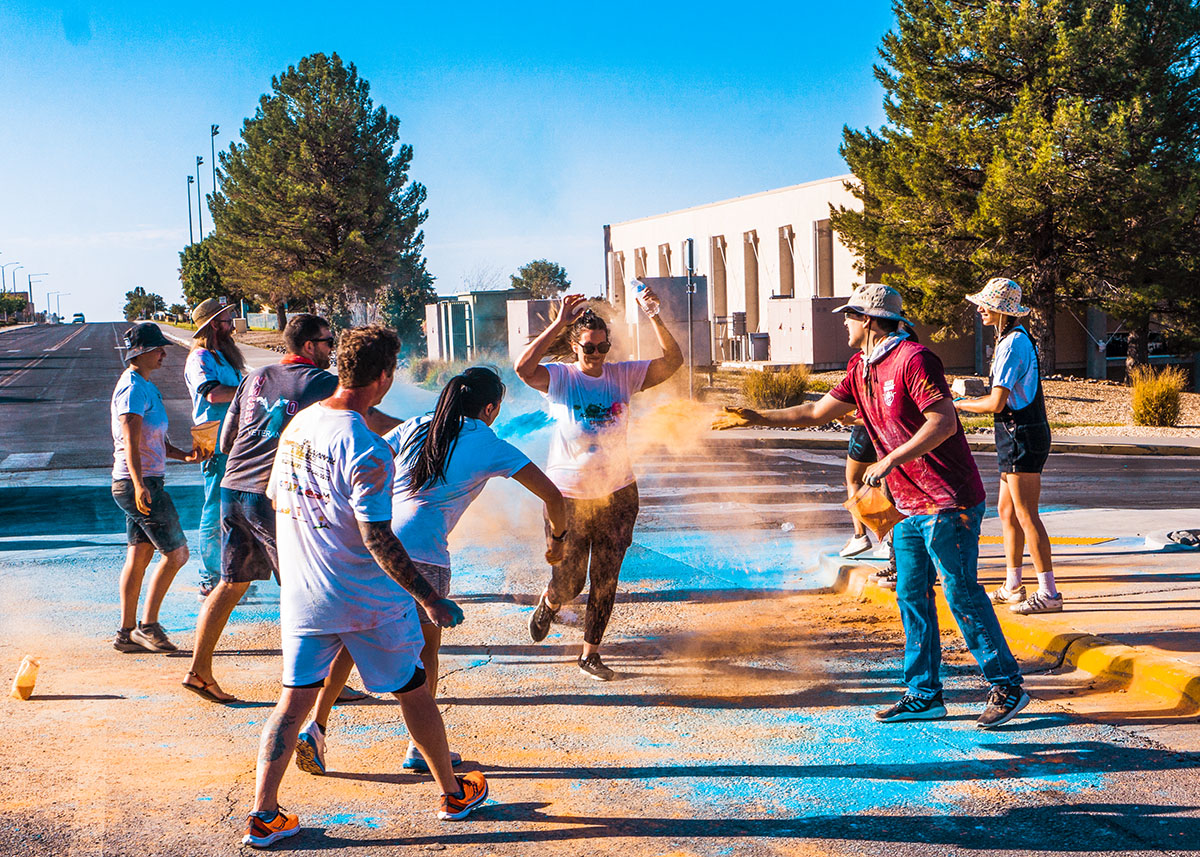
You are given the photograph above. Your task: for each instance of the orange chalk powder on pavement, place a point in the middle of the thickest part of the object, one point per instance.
(22, 686)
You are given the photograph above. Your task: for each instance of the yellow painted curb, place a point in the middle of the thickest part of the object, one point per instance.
(1137, 669)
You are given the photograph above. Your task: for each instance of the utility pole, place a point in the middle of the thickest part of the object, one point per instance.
(214, 130)
(199, 198)
(191, 237)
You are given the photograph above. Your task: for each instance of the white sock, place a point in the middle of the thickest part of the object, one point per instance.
(1046, 584)
(1013, 581)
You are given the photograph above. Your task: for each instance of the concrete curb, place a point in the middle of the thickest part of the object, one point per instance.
(775, 439)
(1137, 669)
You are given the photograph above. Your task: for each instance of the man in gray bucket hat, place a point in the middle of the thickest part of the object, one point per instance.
(899, 388)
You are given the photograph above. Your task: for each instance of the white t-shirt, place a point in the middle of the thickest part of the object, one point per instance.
(588, 453)
(423, 521)
(1015, 368)
(205, 367)
(331, 471)
(136, 395)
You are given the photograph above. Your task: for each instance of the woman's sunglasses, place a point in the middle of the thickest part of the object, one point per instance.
(588, 348)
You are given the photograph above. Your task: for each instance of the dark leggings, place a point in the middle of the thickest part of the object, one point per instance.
(601, 529)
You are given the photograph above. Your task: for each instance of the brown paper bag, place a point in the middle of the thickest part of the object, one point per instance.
(204, 437)
(874, 510)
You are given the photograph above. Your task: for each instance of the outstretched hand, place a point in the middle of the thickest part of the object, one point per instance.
(730, 418)
(445, 613)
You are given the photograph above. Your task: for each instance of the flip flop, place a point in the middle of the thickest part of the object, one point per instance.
(204, 690)
(349, 694)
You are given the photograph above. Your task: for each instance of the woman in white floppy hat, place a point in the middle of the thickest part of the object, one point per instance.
(1022, 446)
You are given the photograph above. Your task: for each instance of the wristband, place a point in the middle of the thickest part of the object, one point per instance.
(560, 537)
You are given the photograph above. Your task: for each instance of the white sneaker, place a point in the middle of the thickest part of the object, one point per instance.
(414, 761)
(1003, 595)
(1039, 602)
(310, 749)
(856, 545)
(883, 550)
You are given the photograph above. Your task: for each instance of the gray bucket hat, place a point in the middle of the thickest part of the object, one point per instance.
(877, 301)
(142, 338)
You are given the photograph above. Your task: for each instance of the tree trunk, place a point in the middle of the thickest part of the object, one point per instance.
(1042, 294)
(1138, 352)
(281, 315)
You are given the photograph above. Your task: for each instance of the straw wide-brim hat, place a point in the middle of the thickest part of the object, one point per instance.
(877, 301)
(206, 311)
(1000, 295)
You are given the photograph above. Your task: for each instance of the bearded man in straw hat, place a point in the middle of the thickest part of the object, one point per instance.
(213, 371)
(899, 388)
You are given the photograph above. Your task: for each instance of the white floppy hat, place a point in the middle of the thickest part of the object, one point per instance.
(877, 301)
(1000, 295)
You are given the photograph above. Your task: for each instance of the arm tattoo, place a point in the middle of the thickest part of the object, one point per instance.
(273, 745)
(393, 559)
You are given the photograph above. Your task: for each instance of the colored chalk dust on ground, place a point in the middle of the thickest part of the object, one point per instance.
(1077, 541)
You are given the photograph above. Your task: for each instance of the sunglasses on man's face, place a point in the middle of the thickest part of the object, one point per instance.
(328, 339)
(588, 348)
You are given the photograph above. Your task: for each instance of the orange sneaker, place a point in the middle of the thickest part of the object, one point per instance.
(475, 792)
(260, 834)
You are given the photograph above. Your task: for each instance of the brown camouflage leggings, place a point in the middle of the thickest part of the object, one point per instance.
(601, 530)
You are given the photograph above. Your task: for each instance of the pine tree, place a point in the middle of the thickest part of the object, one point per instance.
(199, 276)
(315, 202)
(995, 158)
(402, 303)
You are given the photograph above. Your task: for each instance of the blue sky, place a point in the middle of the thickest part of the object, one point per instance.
(532, 126)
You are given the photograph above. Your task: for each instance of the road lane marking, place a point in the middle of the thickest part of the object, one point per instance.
(15, 375)
(85, 348)
(26, 460)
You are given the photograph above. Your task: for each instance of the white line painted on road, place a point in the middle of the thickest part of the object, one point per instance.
(26, 460)
(14, 351)
(85, 348)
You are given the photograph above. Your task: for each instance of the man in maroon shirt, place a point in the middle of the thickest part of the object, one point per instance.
(899, 388)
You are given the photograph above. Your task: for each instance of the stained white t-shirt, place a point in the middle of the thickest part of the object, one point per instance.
(331, 471)
(589, 456)
(136, 395)
(204, 367)
(423, 521)
(1015, 368)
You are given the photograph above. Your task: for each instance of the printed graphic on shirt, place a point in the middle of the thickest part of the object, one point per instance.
(595, 418)
(300, 456)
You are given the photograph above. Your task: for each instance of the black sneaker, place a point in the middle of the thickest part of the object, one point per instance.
(913, 708)
(886, 579)
(593, 667)
(1003, 704)
(539, 622)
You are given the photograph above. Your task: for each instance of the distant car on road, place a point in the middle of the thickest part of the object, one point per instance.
(78, 319)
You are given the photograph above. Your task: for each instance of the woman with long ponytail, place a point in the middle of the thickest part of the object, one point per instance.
(443, 460)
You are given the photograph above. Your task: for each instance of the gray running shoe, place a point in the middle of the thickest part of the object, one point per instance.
(1003, 595)
(1039, 602)
(913, 708)
(1004, 702)
(151, 637)
(593, 667)
(123, 643)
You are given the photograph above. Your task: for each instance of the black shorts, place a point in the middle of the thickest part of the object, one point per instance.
(861, 449)
(161, 527)
(248, 551)
(1022, 448)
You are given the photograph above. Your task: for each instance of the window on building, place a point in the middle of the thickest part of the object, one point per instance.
(618, 279)
(823, 254)
(750, 267)
(639, 262)
(720, 296)
(664, 260)
(787, 261)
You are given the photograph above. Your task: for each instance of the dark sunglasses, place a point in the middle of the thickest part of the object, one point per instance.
(588, 348)
(328, 339)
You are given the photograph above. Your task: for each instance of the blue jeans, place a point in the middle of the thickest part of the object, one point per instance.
(946, 544)
(210, 520)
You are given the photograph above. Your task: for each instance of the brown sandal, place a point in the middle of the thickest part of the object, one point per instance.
(204, 690)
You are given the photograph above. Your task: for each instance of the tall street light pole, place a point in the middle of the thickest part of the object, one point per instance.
(58, 303)
(48, 296)
(214, 130)
(199, 197)
(19, 267)
(3, 287)
(191, 237)
(29, 280)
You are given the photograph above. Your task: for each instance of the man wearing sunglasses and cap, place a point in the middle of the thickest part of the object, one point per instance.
(899, 388)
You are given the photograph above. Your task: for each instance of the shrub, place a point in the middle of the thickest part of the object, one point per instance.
(1156, 395)
(776, 389)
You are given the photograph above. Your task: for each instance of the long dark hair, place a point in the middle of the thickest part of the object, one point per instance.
(429, 448)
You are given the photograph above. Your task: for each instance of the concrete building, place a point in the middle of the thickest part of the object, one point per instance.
(468, 325)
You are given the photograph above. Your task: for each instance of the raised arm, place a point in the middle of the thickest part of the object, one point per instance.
(539, 484)
(394, 560)
(381, 423)
(825, 410)
(662, 368)
(529, 366)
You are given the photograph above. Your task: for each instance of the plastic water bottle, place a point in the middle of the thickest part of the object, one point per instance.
(22, 686)
(648, 304)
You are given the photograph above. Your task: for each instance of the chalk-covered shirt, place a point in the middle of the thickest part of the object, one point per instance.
(331, 471)
(136, 395)
(203, 371)
(892, 396)
(1015, 368)
(423, 521)
(262, 406)
(589, 456)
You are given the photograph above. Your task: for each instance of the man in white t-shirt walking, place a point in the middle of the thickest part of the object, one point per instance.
(346, 580)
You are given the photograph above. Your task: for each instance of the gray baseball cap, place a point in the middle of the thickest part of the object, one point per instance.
(877, 301)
